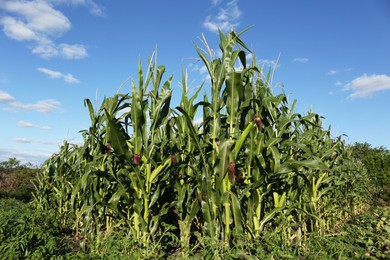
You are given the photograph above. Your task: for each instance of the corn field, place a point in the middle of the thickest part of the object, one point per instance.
(251, 166)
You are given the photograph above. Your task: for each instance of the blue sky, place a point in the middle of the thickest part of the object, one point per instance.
(334, 58)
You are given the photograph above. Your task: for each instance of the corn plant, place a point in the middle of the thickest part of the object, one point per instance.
(251, 166)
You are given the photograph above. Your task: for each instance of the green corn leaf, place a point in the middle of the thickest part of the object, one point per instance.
(269, 216)
(276, 158)
(116, 136)
(209, 225)
(243, 137)
(206, 62)
(237, 214)
(88, 103)
(161, 110)
(193, 134)
(155, 196)
(309, 164)
(117, 196)
(195, 206)
(223, 160)
(156, 171)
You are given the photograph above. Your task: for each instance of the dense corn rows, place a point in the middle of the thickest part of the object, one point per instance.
(251, 166)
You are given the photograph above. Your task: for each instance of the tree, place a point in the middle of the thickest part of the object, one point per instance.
(10, 165)
(376, 160)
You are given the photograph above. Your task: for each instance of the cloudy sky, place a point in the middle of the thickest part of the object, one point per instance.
(332, 56)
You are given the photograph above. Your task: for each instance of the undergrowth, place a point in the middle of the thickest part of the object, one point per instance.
(28, 233)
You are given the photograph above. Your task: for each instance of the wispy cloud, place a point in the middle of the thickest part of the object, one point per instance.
(21, 140)
(30, 141)
(42, 106)
(202, 70)
(367, 85)
(93, 8)
(216, 2)
(36, 157)
(69, 78)
(227, 18)
(39, 23)
(338, 83)
(31, 125)
(300, 60)
(72, 51)
(249, 57)
(5, 97)
(334, 71)
(269, 63)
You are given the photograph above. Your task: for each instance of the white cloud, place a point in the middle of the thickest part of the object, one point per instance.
(51, 73)
(270, 63)
(37, 16)
(300, 60)
(36, 156)
(42, 106)
(203, 70)
(29, 141)
(39, 23)
(89, 4)
(226, 19)
(367, 85)
(17, 30)
(249, 57)
(216, 2)
(338, 83)
(75, 51)
(45, 50)
(198, 121)
(69, 78)
(5, 97)
(332, 72)
(28, 124)
(22, 140)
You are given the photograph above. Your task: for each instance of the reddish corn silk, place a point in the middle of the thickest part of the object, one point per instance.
(239, 177)
(231, 170)
(173, 159)
(200, 197)
(258, 121)
(136, 159)
(108, 148)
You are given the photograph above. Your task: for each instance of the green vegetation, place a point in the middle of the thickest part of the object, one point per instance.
(377, 160)
(253, 179)
(15, 179)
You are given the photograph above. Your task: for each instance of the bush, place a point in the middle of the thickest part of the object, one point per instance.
(26, 232)
(16, 181)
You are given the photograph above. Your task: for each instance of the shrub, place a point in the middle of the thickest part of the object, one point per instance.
(26, 232)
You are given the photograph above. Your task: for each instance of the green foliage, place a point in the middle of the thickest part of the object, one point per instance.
(15, 180)
(376, 160)
(9, 166)
(377, 164)
(28, 233)
(252, 170)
